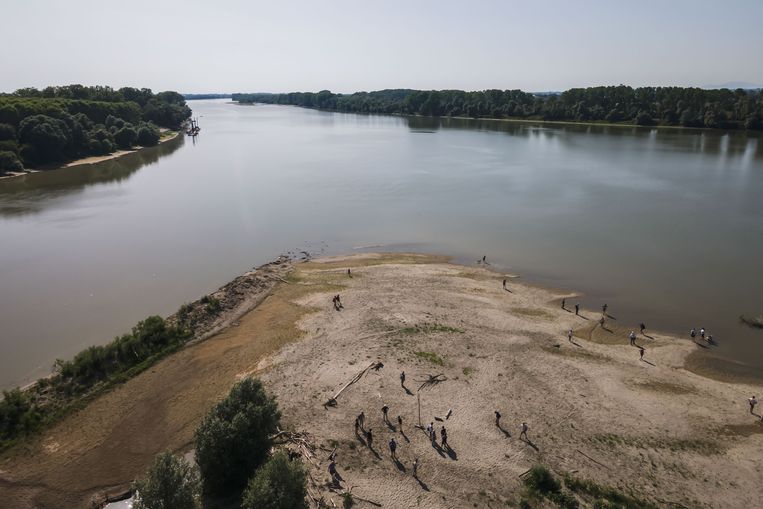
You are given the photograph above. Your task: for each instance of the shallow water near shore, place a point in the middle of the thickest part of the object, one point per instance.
(666, 226)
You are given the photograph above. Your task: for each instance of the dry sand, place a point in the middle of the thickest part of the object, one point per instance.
(652, 429)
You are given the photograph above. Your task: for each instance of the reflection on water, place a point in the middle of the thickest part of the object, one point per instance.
(31, 193)
(665, 225)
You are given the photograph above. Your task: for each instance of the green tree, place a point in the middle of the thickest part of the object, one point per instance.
(171, 483)
(9, 161)
(47, 135)
(148, 135)
(278, 484)
(125, 137)
(233, 440)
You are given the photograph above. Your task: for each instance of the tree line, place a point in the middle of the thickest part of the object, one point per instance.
(669, 106)
(61, 123)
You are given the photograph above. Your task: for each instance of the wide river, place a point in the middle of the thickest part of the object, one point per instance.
(666, 226)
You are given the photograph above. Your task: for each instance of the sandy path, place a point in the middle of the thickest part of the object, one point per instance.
(654, 430)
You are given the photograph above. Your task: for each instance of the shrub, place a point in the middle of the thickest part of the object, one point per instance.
(540, 480)
(9, 162)
(278, 484)
(18, 416)
(170, 483)
(233, 440)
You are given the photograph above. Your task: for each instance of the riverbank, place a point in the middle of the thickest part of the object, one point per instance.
(650, 428)
(165, 137)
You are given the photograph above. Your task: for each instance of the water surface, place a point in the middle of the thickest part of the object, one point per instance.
(666, 226)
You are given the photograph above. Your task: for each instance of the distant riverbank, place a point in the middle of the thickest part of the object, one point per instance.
(165, 137)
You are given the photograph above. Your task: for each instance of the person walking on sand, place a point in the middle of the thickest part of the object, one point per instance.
(393, 448)
(753, 401)
(563, 301)
(641, 353)
(498, 418)
(433, 434)
(523, 433)
(402, 379)
(429, 430)
(400, 423)
(632, 337)
(604, 309)
(577, 308)
(416, 468)
(504, 283)
(569, 335)
(444, 436)
(362, 419)
(370, 438)
(642, 325)
(385, 409)
(357, 425)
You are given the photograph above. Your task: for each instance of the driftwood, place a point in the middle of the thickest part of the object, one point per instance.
(376, 366)
(300, 440)
(431, 381)
(590, 458)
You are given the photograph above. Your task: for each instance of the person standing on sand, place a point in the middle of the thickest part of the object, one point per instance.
(483, 258)
(416, 468)
(400, 423)
(577, 309)
(433, 433)
(357, 425)
(641, 352)
(444, 435)
(349, 274)
(362, 419)
(693, 333)
(498, 418)
(632, 337)
(523, 433)
(563, 301)
(504, 283)
(702, 332)
(393, 448)
(569, 335)
(753, 401)
(402, 379)
(333, 474)
(643, 327)
(385, 409)
(370, 438)
(604, 309)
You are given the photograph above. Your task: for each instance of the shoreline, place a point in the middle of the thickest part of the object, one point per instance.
(423, 314)
(519, 120)
(90, 159)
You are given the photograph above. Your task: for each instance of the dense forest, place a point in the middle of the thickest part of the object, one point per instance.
(194, 97)
(61, 123)
(671, 106)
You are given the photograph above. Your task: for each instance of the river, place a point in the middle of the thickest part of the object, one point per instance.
(664, 225)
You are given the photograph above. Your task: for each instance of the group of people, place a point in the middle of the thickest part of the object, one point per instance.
(702, 334)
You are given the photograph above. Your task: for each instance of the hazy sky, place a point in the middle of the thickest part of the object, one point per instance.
(345, 46)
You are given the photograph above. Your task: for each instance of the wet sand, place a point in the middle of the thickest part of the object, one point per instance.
(651, 428)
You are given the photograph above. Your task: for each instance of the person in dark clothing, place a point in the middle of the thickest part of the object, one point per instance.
(604, 309)
(402, 379)
(563, 301)
(400, 423)
(483, 258)
(370, 438)
(641, 352)
(504, 284)
(416, 468)
(643, 327)
(357, 425)
(392, 448)
(349, 274)
(333, 473)
(577, 309)
(385, 409)
(444, 437)
(498, 418)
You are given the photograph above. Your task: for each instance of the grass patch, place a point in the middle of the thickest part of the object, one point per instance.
(604, 497)
(541, 483)
(430, 357)
(430, 328)
(468, 371)
(706, 447)
(665, 387)
(535, 312)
